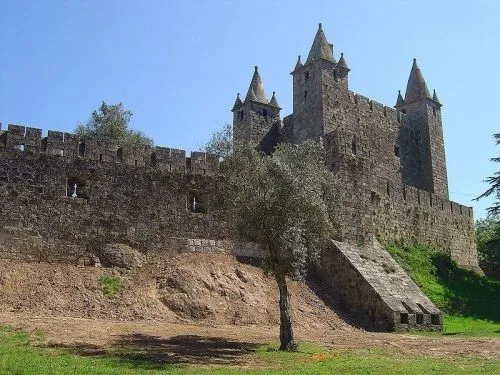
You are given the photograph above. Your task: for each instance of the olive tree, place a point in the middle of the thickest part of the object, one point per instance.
(284, 203)
(112, 121)
(221, 142)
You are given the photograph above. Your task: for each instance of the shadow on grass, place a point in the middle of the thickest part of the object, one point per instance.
(152, 352)
(467, 293)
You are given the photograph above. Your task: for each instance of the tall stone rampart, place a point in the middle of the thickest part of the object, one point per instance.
(63, 206)
(376, 205)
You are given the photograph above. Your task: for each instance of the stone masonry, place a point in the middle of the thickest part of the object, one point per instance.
(66, 199)
(391, 165)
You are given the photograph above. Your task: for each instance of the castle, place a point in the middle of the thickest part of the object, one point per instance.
(63, 198)
(391, 161)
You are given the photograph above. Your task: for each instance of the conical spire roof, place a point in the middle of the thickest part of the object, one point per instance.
(320, 48)
(256, 89)
(399, 101)
(435, 97)
(299, 64)
(416, 88)
(342, 62)
(237, 103)
(274, 101)
(250, 95)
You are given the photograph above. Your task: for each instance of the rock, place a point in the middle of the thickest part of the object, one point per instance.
(121, 255)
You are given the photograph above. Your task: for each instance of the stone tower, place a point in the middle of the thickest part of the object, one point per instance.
(308, 82)
(255, 117)
(423, 157)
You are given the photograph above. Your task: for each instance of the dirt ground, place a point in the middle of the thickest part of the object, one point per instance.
(228, 344)
(191, 308)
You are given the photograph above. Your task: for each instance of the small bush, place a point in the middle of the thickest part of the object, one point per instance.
(110, 285)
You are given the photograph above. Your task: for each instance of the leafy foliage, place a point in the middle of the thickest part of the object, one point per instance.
(494, 182)
(221, 143)
(488, 240)
(112, 121)
(110, 285)
(284, 203)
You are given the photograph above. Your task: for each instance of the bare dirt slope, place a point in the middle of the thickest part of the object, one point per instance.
(188, 288)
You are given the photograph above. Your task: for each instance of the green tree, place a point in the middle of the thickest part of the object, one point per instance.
(284, 203)
(494, 182)
(112, 121)
(488, 241)
(221, 142)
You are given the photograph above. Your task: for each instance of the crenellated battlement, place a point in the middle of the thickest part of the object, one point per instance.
(372, 107)
(19, 138)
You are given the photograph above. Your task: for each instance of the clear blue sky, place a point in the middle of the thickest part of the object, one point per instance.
(178, 64)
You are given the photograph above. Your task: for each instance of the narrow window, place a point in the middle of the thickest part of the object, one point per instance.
(44, 144)
(100, 157)
(81, 149)
(396, 150)
(388, 188)
(119, 154)
(404, 318)
(306, 75)
(135, 162)
(404, 111)
(78, 187)
(434, 111)
(435, 319)
(264, 113)
(61, 152)
(240, 115)
(305, 95)
(354, 147)
(195, 203)
(420, 318)
(154, 160)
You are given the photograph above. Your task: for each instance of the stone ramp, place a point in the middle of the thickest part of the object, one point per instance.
(373, 287)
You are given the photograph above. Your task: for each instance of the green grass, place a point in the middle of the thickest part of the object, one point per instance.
(471, 302)
(20, 355)
(110, 285)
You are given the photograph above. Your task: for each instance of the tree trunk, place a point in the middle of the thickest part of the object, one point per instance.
(286, 330)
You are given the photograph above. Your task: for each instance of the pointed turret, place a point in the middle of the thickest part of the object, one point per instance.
(298, 65)
(399, 101)
(256, 89)
(274, 101)
(416, 88)
(320, 49)
(435, 97)
(237, 103)
(250, 95)
(342, 62)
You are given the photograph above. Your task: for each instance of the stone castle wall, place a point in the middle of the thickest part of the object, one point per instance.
(143, 196)
(376, 206)
(140, 196)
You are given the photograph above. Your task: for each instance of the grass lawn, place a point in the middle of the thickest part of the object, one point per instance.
(471, 302)
(21, 354)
